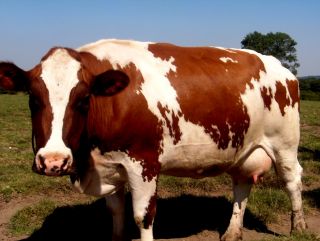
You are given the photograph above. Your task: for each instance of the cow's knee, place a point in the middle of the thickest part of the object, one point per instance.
(144, 218)
(144, 213)
(144, 195)
(144, 208)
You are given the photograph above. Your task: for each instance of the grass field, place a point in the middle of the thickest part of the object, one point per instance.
(16, 156)
(17, 179)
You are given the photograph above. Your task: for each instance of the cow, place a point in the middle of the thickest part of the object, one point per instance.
(119, 111)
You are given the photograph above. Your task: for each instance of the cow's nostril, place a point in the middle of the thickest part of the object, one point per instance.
(42, 161)
(65, 162)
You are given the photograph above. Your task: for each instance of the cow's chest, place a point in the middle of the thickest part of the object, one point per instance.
(104, 175)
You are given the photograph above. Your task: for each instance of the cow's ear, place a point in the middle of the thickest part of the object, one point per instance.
(12, 77)
(109, 83)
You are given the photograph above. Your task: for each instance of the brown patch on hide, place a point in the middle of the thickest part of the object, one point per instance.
(293, 88)
(281, 97)
(173, 126)
(209, 90)
(266, 94)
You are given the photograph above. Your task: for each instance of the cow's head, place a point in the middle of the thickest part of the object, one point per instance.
(60, 91)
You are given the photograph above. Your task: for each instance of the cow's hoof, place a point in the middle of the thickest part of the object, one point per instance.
(298, 224)
(232, 235)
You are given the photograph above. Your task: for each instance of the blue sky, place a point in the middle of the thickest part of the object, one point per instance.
(29, 28)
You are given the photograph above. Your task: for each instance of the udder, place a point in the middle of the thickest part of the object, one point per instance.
(254, 167)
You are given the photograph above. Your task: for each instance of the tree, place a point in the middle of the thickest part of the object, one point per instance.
(279, 45)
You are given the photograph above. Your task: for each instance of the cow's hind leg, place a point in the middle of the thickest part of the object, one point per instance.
(116, 205)
(241, 191)
(290, 171)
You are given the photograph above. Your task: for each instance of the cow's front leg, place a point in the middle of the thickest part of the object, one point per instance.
(241, 191)
(116, 205)
(144, 208)
(143, 190)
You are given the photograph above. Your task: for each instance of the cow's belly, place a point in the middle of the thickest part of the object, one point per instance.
(196, 160)
(203, 161)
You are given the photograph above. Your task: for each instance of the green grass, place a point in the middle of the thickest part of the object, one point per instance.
(15, 128)
(16, 155)
(310, 125)
(311, 171)
(310, 113)
(19, 179)
(178, 185)
(261, 201)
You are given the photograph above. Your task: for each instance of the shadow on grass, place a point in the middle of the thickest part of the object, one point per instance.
(176, 218)
(313, 196)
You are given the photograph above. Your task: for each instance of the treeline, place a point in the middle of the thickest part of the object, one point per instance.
(310, 88)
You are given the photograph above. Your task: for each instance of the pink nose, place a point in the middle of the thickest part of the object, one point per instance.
(53, 164)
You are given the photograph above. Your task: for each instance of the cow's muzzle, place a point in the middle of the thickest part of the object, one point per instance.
(53, 164)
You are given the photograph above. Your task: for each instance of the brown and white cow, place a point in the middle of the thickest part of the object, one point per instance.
(115, 112)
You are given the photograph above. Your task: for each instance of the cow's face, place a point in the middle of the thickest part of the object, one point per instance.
(60, 89)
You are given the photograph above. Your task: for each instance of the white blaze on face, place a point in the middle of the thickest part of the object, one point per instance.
(59, 73)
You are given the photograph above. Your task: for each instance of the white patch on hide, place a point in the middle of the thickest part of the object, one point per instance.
(228, 59)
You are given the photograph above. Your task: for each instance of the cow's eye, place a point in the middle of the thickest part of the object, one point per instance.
(34, 103)
(83, 104)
